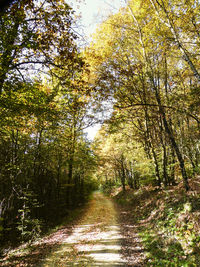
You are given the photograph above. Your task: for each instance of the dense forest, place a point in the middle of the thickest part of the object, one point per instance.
(46, 162)
(140, 73)
(147, 63)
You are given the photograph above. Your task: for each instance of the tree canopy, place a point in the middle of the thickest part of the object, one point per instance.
(146, 59)
(143, 64)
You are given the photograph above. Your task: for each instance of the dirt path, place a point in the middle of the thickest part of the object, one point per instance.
(97, 239)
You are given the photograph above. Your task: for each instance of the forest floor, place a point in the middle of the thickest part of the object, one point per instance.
(145, 227)
(101, 237)
(168, 222)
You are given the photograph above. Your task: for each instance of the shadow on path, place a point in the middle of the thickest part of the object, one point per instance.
(89, 245)
(95, 240)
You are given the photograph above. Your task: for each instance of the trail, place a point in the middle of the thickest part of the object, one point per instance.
(95, 241)
(103, 236)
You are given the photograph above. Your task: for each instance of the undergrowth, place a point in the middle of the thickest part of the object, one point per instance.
(168, 223)
(27, 248)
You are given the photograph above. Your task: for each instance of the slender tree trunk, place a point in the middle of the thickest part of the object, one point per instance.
(173, 162)
(173, 141)
(165, 175)
(170, 24)
(156, 167)
(123, 174)
(161, 109)
(150, 144)
(131, 175)
(164, 154)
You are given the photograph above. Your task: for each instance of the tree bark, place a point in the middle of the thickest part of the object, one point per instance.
(173, 141)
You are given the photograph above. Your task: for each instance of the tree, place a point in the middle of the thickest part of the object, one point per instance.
(45, 101)
(35, 35)
(138, 68)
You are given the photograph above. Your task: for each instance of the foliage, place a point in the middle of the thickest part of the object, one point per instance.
(167, 222)
(141, 61)
(122, 159)
(32, 37)
(30, 228)
(46, 161)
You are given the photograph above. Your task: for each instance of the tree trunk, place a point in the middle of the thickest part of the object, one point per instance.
(170, 24)
(173, 162)
(173, 141)
(156, 167)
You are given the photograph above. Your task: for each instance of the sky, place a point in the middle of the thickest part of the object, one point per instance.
(92, 13)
